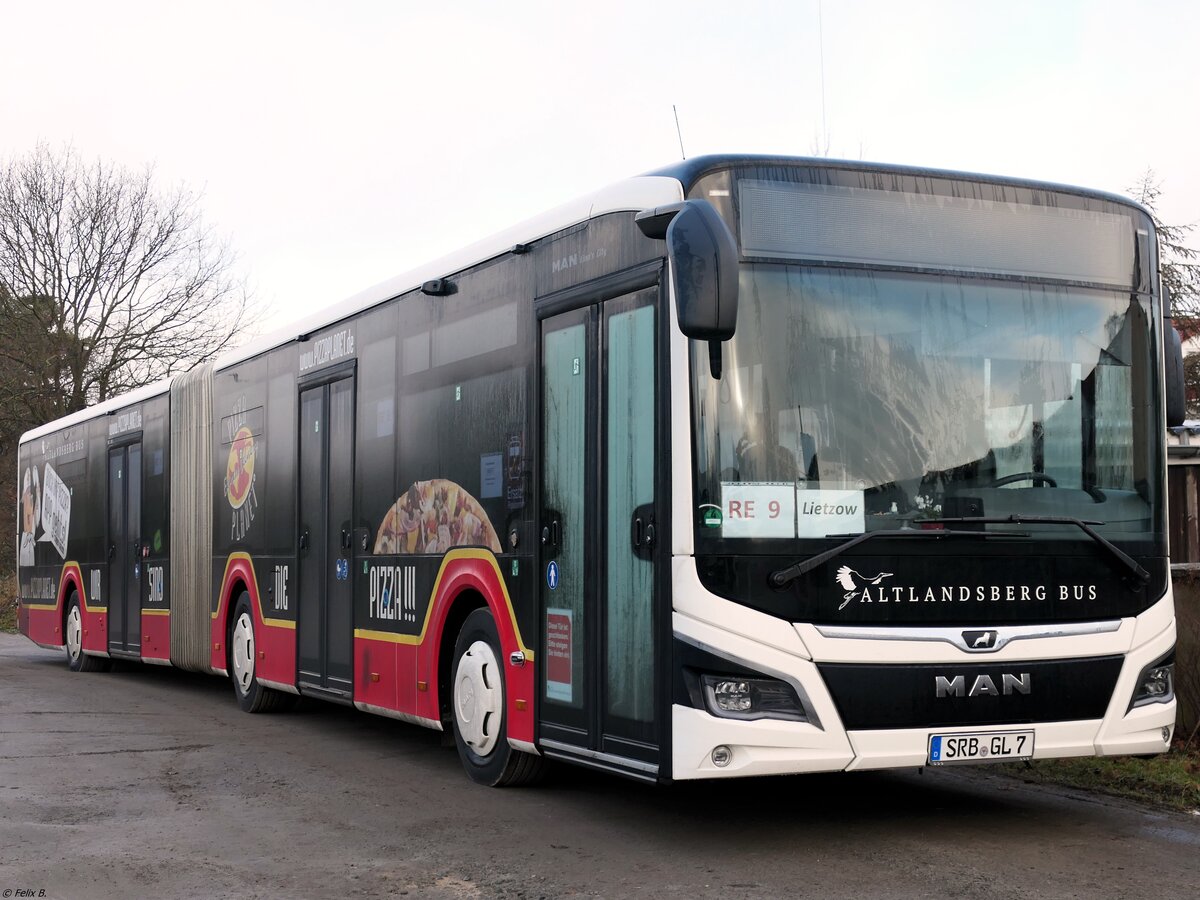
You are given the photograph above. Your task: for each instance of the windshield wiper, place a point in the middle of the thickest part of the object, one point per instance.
(1085, 525)
(784, 577)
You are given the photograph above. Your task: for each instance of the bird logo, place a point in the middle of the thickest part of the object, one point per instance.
(854, 582)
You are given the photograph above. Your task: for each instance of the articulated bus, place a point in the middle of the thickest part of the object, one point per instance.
(749, 465)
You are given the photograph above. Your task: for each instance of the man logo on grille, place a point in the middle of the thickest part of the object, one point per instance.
(980, 640)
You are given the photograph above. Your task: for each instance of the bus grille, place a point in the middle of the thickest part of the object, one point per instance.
(952, 694)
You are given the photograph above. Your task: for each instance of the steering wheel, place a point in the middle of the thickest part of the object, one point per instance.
(1035, 477)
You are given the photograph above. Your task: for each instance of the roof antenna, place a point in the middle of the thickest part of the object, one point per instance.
(821, 34)
(677, 131)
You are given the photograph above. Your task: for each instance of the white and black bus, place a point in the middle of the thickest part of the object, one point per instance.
(749, 465)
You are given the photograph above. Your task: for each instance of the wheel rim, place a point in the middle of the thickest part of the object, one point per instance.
(74, 634)
(478, 698)
(243, 653)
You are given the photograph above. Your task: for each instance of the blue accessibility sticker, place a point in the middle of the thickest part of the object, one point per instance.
(137, 570)
(343, 570)
(552, 575)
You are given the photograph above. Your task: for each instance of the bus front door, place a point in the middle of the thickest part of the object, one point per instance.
(325, 616)
(600, 623)
(124, 550)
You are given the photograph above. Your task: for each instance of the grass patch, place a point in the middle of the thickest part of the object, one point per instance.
(1172, 779)
(8, 603)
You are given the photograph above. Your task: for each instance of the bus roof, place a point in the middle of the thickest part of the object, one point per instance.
(688, 172)
(664, 185)
(637, 193)
(632, 194)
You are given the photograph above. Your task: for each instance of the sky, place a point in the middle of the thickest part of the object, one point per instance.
(339, 144)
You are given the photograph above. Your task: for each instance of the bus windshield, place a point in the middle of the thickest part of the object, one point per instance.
(854, 400)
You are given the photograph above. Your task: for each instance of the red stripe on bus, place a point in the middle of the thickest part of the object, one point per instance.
(44, 624)
(478, 573)
(156, 636)
(275, 644)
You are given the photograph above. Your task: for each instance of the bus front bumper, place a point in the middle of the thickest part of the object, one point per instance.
(774, 747)
(778, 748)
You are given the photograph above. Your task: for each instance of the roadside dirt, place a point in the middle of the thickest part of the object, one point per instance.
(151, 782)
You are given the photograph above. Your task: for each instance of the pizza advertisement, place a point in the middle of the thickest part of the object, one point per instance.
(432, 517)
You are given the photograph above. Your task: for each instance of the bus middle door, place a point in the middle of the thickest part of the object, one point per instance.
(325, 617)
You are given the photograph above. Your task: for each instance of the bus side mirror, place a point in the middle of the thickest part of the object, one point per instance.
(1173, 375)
(704, 265)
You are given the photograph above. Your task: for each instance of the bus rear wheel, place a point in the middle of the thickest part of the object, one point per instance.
(252, 697)
(77, 660)
(477, 695)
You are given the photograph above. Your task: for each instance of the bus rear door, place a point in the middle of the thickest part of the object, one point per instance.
(124, 549)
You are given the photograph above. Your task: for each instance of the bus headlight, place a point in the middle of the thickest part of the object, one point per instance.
(751, 698)
(1156, 684)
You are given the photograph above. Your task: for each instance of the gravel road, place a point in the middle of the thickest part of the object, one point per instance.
(148, 782)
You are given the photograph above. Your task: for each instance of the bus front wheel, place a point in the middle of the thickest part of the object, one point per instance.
(477, 695)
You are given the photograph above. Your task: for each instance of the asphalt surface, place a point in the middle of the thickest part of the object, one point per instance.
(148, 782)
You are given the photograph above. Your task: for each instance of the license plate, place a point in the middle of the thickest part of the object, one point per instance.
(991, 746)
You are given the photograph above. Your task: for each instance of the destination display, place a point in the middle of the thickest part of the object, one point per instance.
(751, 509)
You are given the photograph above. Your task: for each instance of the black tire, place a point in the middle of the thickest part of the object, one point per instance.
(251, 696)
(479, 717)
(78, 661)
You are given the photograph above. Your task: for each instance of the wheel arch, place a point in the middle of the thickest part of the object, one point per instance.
(69, 586)
(465, 602)
(69, 591)
(473, 577)
(233, 593)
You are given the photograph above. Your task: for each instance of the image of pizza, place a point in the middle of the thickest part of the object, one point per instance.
(239, 470)
(433, 516)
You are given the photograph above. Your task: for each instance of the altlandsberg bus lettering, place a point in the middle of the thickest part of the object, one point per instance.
(750, 465)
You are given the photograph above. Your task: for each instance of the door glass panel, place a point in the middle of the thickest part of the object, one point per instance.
(312, 529)
(629, 514)
(339, 625)
(565, 380)
(133, 541)
(117, 552)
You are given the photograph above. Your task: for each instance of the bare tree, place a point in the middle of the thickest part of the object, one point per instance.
(110, 283)
(35, 373)
(106, 284)
(1178, 264)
